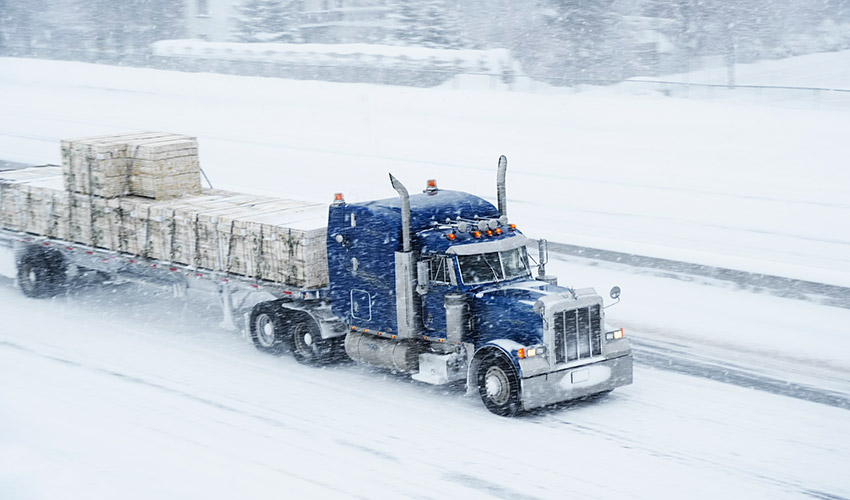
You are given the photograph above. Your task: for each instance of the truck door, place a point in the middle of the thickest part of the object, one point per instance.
(433, 303)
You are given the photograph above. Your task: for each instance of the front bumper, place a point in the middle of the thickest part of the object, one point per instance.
(571, 383)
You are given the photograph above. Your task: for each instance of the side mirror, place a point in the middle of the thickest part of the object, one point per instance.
(615, 294)
(423, 277)
(543, 255)
(543, 251)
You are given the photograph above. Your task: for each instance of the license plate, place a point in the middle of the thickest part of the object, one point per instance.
(580, 376)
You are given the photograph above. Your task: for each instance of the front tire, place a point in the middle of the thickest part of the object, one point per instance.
(498, 385)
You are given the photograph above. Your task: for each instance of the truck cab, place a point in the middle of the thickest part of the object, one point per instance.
(440, 285)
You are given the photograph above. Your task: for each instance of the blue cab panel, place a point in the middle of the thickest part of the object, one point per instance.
(361, 266)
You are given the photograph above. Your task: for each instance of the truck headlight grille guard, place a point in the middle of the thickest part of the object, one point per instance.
(577, 334)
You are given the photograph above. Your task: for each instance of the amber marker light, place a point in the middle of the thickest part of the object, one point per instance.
(520, 353)
(451, 236)
(477, 234)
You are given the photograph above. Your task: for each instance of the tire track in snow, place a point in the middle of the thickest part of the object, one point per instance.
(819, 293)
(296, 426)
(670, 359)
(628, 440)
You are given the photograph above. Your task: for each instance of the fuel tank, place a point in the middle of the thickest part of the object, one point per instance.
(398, 355)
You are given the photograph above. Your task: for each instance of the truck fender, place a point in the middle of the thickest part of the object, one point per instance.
(320, 312)
(503, 347)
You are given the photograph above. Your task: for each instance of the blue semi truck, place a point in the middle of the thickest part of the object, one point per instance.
(438, 285)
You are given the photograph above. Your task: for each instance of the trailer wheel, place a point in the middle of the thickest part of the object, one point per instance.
(498, 385)
(308, 346)
(41, 273)
(267, 330)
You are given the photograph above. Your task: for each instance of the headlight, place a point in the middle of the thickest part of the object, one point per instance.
(527, 352)
(615, 335)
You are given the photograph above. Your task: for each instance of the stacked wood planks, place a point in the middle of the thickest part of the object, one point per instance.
(266, 238)
(149, 164)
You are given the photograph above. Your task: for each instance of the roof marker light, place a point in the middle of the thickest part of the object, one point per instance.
(451, 236)
(338, 199)
(477, 234)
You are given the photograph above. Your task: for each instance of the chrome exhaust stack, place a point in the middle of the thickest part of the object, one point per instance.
(405, 212)
(407, 303)
(500, 188)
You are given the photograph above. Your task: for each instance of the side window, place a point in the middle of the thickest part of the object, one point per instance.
(441, 270)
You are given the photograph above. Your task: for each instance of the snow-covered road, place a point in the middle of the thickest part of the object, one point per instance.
(123, 393)
(102, 398)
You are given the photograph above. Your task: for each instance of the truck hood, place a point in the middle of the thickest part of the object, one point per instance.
(506, 311)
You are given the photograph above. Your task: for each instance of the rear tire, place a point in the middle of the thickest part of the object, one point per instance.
(267, 330)
(41, 273)
(307, 344)
(498, 385)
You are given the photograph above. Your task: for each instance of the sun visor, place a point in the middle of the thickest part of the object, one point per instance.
(499, 245)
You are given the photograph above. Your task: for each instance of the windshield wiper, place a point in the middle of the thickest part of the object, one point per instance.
(495, 274)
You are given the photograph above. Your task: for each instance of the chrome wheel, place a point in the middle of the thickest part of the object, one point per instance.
(496, 385)
(303, 339)
(264, 328)
(27, 279)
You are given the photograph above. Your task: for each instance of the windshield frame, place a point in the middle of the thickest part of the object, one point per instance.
(493, 269)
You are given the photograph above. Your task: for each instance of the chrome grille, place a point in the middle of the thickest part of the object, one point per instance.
(578, 334)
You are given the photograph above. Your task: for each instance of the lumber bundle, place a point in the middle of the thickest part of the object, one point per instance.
(149, 164)
(265, 238)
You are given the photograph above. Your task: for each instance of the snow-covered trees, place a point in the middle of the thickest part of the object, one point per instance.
(585, 36)
(268, 21)
(565, 41)
(425, 23)
(88, 26)
(560, 41)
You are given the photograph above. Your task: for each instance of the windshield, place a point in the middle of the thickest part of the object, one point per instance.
(493, 266)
